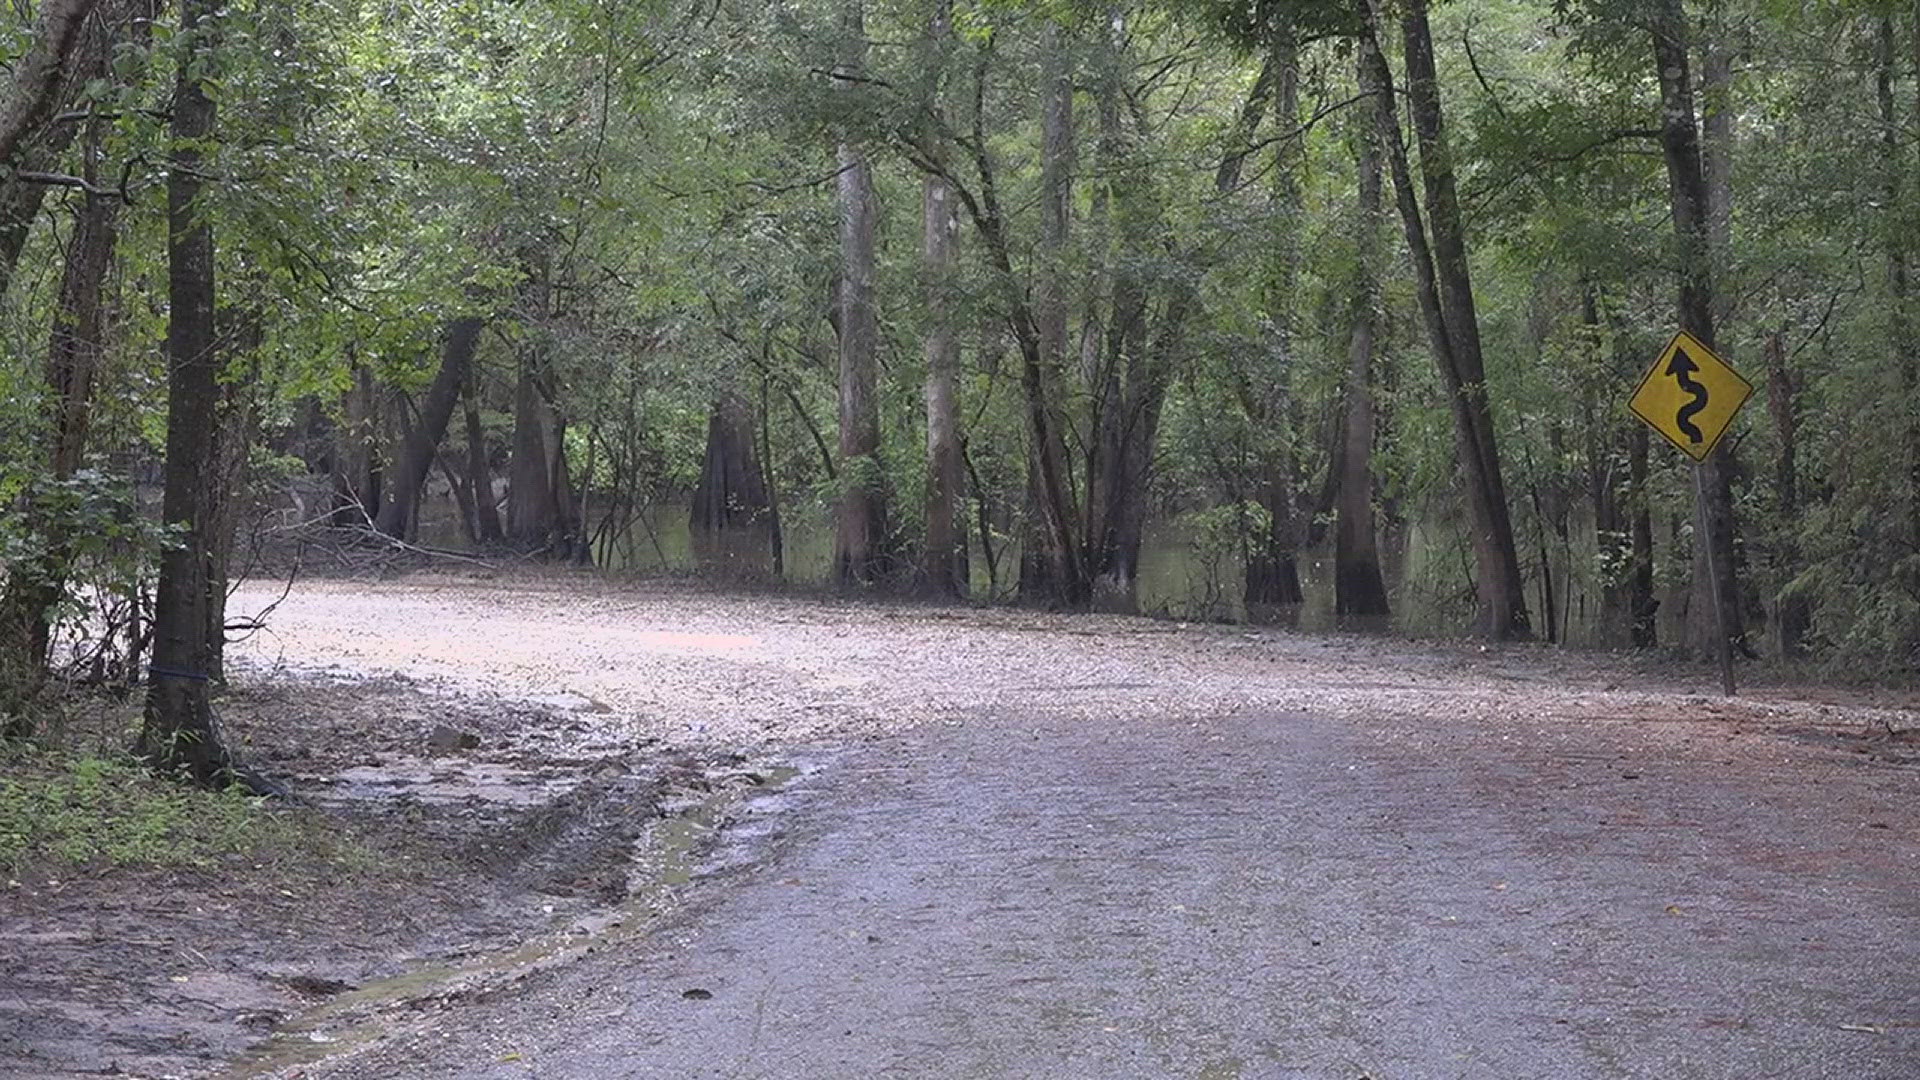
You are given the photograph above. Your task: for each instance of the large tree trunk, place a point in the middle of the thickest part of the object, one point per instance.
(1688, 199)
(1359, 590)
(732, 516)
(423, 441)
(1446, 305)
(860, 534)
(179, 733)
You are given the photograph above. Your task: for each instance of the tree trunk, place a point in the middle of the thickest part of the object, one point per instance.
(37, 74)
(20, 200)
(860, 534)
(1050, 539)
(1273, 570)
(358, 477)
(566, 541)
(423, 442)
(236, 426)
(1045, 356)
(731, 513)
(1120, 372)
(1610, 502)
(530, 502)
(1687, 190)
(1359, 590)
(1456, 347)
(1896, 240)
(1644, 605)
(34, 585)
(944, 562)
(1792, 617)
(946, 547)
(180, 733)
(486, 512)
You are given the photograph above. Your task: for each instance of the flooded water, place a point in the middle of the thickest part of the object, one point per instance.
(1185, 575)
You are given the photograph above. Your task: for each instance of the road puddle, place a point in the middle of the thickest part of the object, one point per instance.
(665, 859)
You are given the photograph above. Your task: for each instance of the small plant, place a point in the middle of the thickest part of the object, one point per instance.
(65, 810)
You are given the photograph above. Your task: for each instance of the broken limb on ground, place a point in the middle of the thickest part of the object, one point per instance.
(475, 761)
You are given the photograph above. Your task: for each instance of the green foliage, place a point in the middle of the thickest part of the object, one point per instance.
(62, 811)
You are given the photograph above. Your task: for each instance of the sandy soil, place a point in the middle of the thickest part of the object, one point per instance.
(692, 666)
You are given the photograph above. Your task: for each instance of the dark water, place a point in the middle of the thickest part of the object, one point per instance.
(1185, 573)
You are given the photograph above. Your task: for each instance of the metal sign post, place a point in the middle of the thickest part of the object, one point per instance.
(1703, 533)
(1690, 396)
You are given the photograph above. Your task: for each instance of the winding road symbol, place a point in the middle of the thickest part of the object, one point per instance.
(1682, 367)
(1690, 396)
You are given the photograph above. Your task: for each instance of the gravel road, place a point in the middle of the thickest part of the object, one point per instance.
(1065, 847)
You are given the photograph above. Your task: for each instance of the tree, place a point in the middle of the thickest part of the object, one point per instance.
(860, 538)
(1689, 206)
(945, 560)
(180, 732)
(423, 439)
(1360, 592)
(1447, 307)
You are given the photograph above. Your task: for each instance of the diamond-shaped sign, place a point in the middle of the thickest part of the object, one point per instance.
(1690, 396)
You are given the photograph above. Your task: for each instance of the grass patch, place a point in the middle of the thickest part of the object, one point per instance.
(67, 810)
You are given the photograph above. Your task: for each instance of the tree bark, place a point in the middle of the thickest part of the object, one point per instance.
(530, 497)
(486, 512)
(1897, 241)
(37, 75)
(1792, 617)
(946, 545)
(1044, 358)
(945, 558)
(1115, 357)
(1645, 607)
(179, 733)
(358, 477)
(1689, 204)
(236, 428)
(1446, 302)
(1273, 570)
(731, 512)
(1359, 589)
(423, 442)
(860, 533)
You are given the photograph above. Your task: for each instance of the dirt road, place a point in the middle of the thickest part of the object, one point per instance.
(1034, 846)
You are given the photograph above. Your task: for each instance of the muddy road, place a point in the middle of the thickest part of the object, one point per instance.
(1019, 845)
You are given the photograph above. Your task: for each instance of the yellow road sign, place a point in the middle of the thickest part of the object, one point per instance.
(1690, 396)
